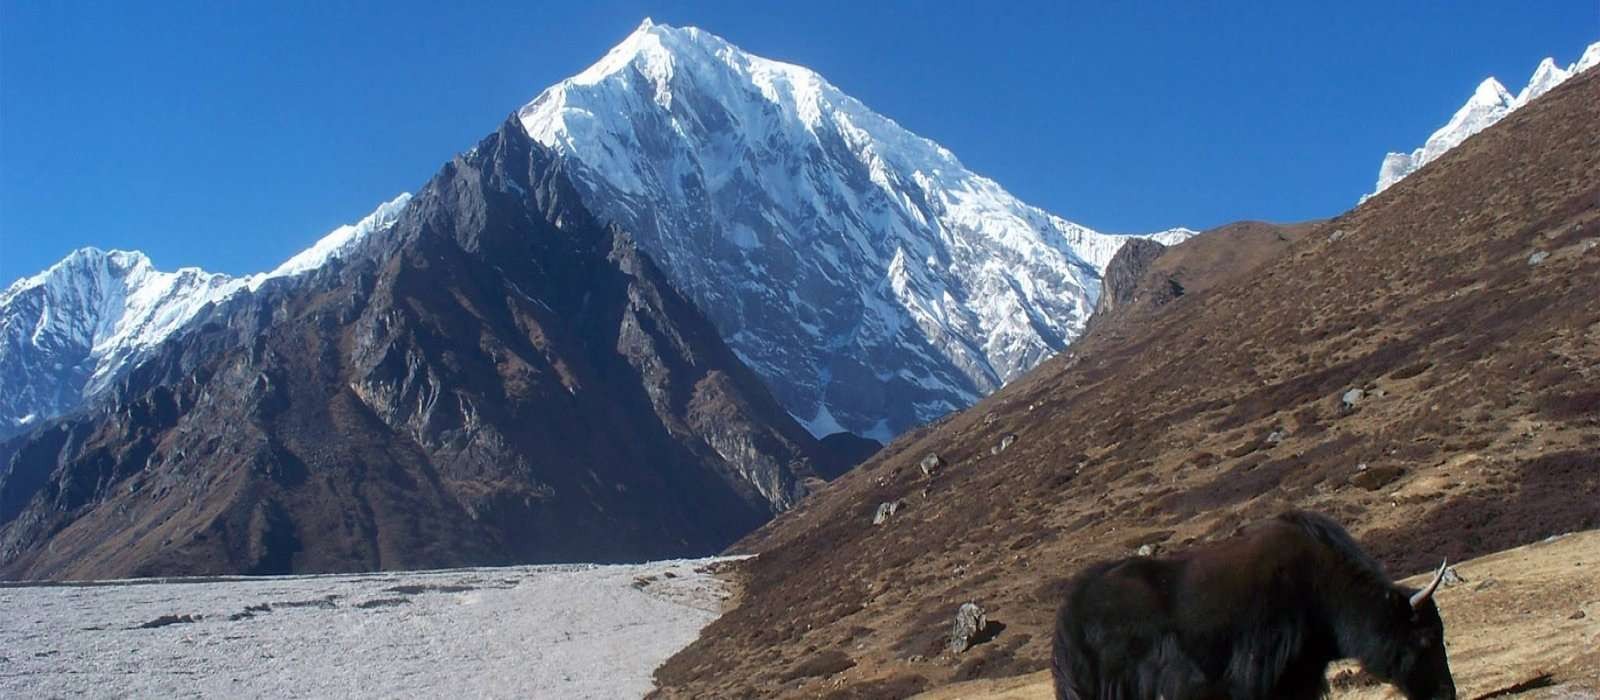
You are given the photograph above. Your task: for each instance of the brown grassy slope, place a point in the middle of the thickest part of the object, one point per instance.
(1135, 285)
(1528, 618)
(1481, 430)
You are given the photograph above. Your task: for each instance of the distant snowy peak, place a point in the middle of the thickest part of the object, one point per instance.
(1490, 103)
(69, 332)
(869, 276)
(342, 240)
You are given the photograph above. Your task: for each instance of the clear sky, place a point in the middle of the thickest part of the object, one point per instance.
(231, 135)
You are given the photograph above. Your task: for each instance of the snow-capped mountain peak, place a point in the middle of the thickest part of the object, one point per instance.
(1489, 103)
(69, 332)
(869, 276)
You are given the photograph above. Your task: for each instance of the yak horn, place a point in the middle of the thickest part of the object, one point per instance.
(1427, 592)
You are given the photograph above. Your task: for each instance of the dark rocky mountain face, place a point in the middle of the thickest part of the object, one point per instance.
(498, 379)
(1425, 369)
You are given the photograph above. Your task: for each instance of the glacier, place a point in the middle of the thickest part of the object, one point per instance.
(1489, 103)
(873, 280)
(67, 334)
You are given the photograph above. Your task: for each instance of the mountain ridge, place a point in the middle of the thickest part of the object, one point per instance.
(70, 332)
(449, 394)
(874, 280)
(1490, 103)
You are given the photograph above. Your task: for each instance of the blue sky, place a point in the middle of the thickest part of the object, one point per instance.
(230, 135)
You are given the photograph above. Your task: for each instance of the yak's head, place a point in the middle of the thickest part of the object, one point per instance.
(1413, 656)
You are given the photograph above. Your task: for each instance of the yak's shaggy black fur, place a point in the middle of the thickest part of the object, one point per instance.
(1256, 617)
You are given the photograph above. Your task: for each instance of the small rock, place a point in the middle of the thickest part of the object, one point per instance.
(1579, 615)
(932, 463)
(1005, 443)
(1336, 236)
(1350, 399)
(1378, 477)
(1538, 256)
(885, 510)
(970, 622)
(166, 620)
(1275, 437)
(1451, 578)
(1485, 584)
(1147, 550)
(1590, 244)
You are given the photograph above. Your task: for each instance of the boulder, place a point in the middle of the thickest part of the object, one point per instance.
(886, 510)
(1005, 443)
(970, 622)
(1350, 399)
(932, 463)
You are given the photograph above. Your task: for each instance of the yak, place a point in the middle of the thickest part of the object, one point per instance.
(1258, 616)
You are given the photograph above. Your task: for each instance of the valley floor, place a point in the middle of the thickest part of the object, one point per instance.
(572, 631)
(1524, 623)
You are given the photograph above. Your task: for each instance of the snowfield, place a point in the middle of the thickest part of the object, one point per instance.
(569, 631)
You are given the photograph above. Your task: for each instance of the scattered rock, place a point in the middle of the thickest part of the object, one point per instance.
(413, 589)
(1375, 478)
(1451, 578)
(970, 622)
(932, 463)
(326, 601)
(1538, 256)
(165, 620)
(1579, 615)
(886, 510)
(1005, 443)
(382, 603)
(1348, 402)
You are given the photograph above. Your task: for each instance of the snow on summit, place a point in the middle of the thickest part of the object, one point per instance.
(1490, 103)
(873, 280)
(69, 332)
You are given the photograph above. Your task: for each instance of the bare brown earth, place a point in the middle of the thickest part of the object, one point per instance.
(1478, 430)
(1523, 623)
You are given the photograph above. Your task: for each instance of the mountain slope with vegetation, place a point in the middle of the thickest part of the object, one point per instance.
(1424, 368)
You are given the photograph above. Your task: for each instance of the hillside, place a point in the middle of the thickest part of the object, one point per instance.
(497, 379)
(1425, 368)
(1522, 623)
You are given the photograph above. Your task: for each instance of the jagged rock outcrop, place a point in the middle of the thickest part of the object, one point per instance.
(1120, 285)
